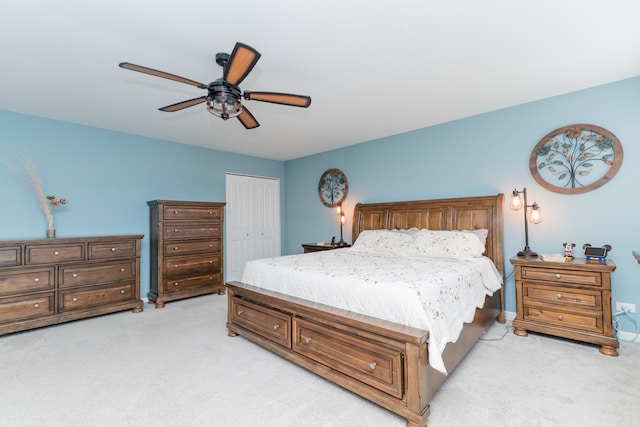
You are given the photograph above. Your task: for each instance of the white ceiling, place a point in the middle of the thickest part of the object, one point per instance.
(372, 68)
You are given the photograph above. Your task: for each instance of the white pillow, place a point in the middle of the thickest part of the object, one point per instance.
(382, 242)
(446, 244)
(482, 234)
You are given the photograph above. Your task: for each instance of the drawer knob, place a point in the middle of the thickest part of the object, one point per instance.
(210, 229)
(560, 317)
(113, 249)
(36, 305)
(37, 279)
(559, 296)
(372, 365)
(307, 340)
(122, 291)
(122, 270)
(175, 230)
(240, 312)
(558, 275)
(175, 248)
(210, 262)
(175, 212)
(176, 284)
(210, 213)
(56, 253)
(74, 299)
(276, 327)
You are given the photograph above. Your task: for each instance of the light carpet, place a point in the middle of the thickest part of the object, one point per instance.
(176, 366)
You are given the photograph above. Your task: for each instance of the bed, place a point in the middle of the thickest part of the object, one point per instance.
(390, 361)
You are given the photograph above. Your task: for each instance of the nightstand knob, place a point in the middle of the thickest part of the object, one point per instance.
(559, 296)
(560, 317)
(558, 275)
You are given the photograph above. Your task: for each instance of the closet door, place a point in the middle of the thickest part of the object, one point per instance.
(252, 221)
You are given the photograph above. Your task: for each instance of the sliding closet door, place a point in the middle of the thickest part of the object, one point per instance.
(252, 221)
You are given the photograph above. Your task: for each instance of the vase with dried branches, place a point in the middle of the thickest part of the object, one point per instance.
(47, 203)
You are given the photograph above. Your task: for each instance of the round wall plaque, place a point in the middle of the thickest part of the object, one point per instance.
(575, 159)
(333, 187)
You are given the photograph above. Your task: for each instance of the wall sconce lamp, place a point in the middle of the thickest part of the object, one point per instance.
(343, 220)
(535, 217)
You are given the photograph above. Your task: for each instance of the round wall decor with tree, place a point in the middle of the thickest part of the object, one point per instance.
(333, 187)
(575, 159)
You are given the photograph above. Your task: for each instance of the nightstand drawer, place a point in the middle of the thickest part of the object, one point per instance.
(562, 296)
(556, 316)
(551, 275)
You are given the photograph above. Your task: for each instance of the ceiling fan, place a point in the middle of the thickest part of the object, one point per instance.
(223, 97)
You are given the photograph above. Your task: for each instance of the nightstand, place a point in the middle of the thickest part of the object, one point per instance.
(570, 299)
(312, 247)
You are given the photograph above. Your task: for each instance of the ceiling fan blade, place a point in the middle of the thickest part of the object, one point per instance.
(184, 104)
(247, 119)
(279, 98)
(241, 62)
(151, 71)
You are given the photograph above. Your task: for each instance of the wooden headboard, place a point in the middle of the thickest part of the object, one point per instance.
(466, 213)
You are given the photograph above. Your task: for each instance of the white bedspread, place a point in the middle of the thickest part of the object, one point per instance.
(438, 295)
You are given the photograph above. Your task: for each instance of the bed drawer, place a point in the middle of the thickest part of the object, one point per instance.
(366, 361)
(192, 282)
(270, 324)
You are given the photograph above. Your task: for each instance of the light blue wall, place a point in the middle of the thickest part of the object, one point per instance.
(489, 154)
(107, 177)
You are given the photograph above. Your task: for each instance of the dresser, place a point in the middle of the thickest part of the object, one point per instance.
(186, 249)
(570, 299)
(49, 281)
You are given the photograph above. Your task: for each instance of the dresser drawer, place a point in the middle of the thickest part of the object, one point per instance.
(191, 231)
(81, 298)
(10, 256)
(75, 275)
(54, 253)
(192, 264)
(192, 247)
(26, 307)
(270, 324)
(192, 282)
(550, 275)
(14, 282)
(192, 213)
(123, 249)
(563, 296)
(372, 363)
(557, 316)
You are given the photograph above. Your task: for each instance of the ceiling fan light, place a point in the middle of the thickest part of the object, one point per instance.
(224, 105)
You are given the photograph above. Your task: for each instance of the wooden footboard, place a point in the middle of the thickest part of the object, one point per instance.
(381, 361)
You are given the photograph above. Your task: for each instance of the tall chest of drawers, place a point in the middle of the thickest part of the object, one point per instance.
(49, 281)
(569, 299)
(186, 249)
